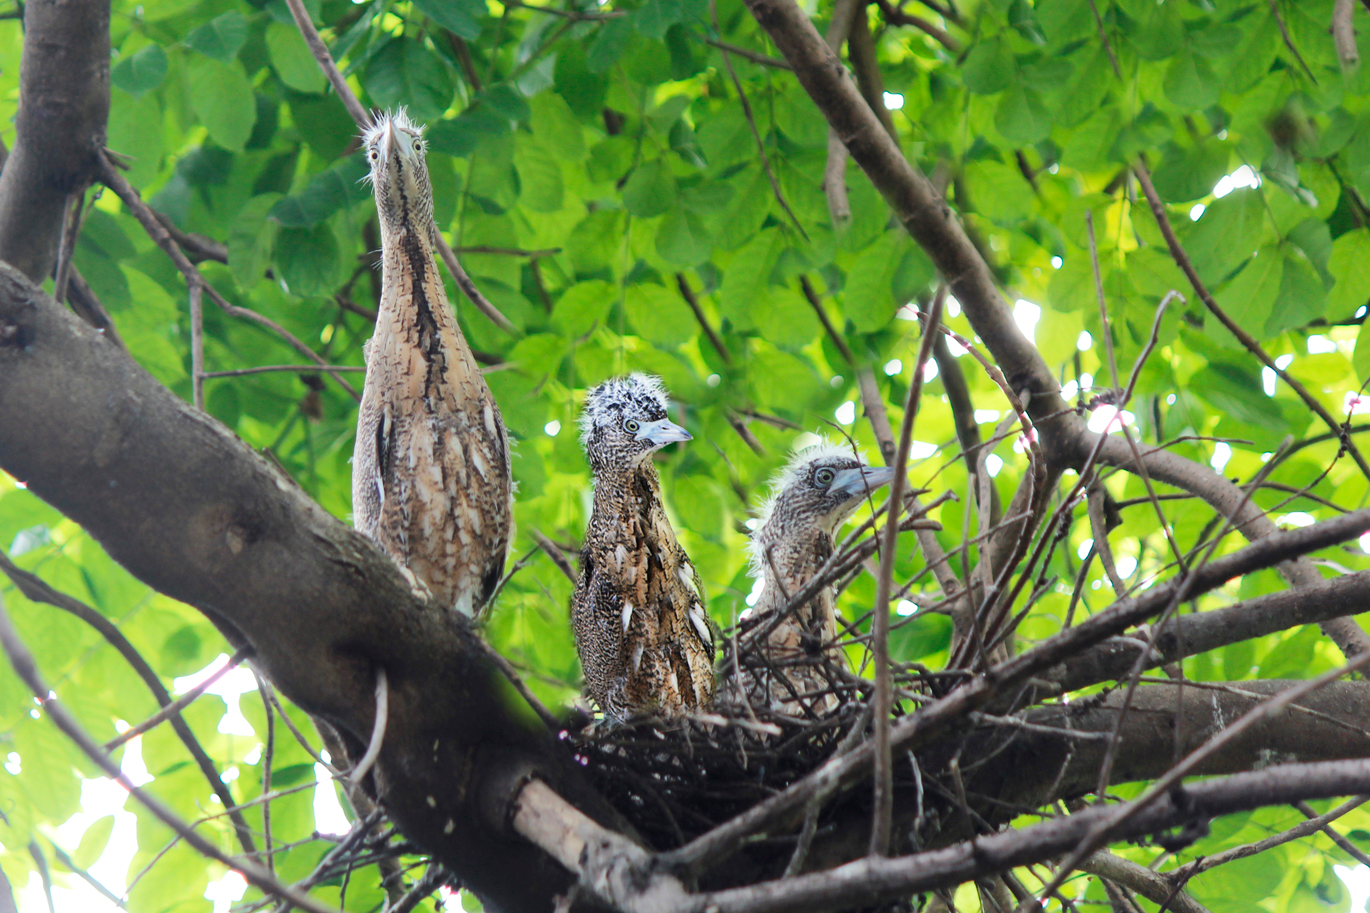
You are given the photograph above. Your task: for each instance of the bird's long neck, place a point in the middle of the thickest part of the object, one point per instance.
(788, 562)
(627, 493)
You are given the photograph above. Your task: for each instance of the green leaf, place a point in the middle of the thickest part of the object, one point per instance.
(141, 72)
(1301, 297)
(582, 306)
(659, 314)
(1188, 174)
(93, 842)
(405, 73)
(608, 45)
(1228, 232)
(292, 60)
(1249, 299)
(1236, 392)
(221, 37)
(919, 637)
(135, 132)
(457, 16)
(327, 192)
(308, 259)
(654, 17)
(552, 122)
(989, 67)
(583, 89)
(250, 241)
(506, 100)
(1190, 82)
(1347, 264)
(783, 317)
(222, 99)
(465, 134)
(541, 187)
(682, 238)
(1023, 116)
(651, 190)
(747, 276)
(868, 297)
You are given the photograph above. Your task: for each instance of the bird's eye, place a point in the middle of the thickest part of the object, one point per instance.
(375, 155)
(824, 476)
(631, 425)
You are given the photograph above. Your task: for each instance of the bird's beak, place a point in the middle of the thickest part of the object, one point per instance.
(661, 433)
(854, 482)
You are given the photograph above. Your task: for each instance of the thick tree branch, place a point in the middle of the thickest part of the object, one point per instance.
(872, 879)
(198, 515)
(60, 128)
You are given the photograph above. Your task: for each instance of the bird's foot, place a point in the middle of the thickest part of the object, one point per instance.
(416, 586)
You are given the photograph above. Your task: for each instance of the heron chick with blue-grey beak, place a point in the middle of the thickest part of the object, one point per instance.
(644, 637)
(811, 497)
(431, 479)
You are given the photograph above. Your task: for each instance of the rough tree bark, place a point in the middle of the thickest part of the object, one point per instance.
(60, 130)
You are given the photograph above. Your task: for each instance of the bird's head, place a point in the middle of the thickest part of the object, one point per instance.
(624, 422)
(395, 151)
(819, 489)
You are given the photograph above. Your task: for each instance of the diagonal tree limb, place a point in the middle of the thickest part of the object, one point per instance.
(35, 588)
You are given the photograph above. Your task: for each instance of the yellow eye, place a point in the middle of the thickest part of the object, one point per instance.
(824, 477)
(632, 425)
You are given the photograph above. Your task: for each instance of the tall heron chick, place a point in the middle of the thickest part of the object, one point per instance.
(810, 499)
(431, 481)
(642, 632)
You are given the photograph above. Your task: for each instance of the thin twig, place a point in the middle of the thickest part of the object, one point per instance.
(197, 346)
(1182, 260)
(753, 56)
(181, 702)
(1289, 41)
(268, 757)
(884, 762)
(1344, 35)
(22, 660)
(898, 17)
(373, 750)
(756, 133)
(37, 589)
(554, 552)
(114, 180)
(689, 295)
(288, 369)
(811, 295)
(325, 61)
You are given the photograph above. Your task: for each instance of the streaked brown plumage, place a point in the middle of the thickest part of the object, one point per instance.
(431, 480)
(810, 499)
(642, 632)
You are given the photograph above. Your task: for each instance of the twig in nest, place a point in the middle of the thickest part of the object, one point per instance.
(377, 730)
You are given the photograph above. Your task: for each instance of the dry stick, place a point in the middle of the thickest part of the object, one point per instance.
(85, 876)
(520, 686)
(268, 755)
(325, 60)
(373, 750)
(363, 121)
(1153, 886)
(1289, 41)
(197, 346)
(1344, 35)
(1099, 526)
(756, 134)
(554, 552)
(291, 369)
(1099, 833)
(1103, 307)
(928, 721)
(66, 245)
(1181, 594)
(811, 295)
(689, 295)
(22, 661)
(835, 171)
(896, 16)
(1335, 837)
(880, 627)
(181, 702)
(1313, 825)
(35, 588)
(1182, 259)
(115, 180)
(751, 55)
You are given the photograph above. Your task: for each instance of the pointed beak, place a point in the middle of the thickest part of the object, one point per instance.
(857, 482)
(661, 433)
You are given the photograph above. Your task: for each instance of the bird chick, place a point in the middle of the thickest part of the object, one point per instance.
(431, 481)
(810, 499)
(642, 632)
